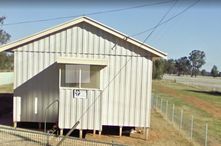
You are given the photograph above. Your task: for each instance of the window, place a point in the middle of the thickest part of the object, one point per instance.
(80, 76)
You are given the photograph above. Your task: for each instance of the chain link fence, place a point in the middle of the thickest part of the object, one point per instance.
(194, 129)
(22, 137)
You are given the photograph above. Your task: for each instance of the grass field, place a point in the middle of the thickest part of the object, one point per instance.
(196, 99)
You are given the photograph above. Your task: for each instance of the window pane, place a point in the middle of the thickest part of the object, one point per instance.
(90, 76)
(72, 73)
(94, 78)
(85, 73)
(70, 76)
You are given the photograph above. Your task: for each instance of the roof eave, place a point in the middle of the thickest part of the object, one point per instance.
(15, 44)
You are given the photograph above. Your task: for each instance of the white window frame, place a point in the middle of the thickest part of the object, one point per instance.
(79, 87)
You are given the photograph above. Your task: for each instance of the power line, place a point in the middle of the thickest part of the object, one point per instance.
(169, 19)
(164, 16)
(85, 112)
(89, 14)
(127, 63)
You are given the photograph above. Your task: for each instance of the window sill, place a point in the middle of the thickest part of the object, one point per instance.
(75, 88)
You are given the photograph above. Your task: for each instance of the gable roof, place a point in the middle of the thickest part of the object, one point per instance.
(15, 44)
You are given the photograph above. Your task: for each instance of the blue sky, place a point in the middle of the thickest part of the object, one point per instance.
(197, 28)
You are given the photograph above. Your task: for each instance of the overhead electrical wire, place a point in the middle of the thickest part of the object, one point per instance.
(167, 20)
(156, 26)
(85, 112)
(89, 14)
(161, 22)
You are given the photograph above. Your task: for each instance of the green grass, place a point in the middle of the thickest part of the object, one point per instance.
(201, 116)
(6, 88)
(198, 91)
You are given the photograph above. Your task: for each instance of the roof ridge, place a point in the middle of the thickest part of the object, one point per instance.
(54, 29)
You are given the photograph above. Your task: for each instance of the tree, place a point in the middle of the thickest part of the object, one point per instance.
(170, 66)
(6, 59)
(158, 69)
(197, 60)
(4, 36)
(183, 66)
(214, 71)
(203, 72)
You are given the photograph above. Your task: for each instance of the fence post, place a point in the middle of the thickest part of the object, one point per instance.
(206, 136)
(153, 102)
(191, 128)
(156, 103)
(167, 109)
(181, 119)
(173, 113)
(161, 105)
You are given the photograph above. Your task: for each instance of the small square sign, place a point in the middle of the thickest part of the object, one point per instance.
(80, 93)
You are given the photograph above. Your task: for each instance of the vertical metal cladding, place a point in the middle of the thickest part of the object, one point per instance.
(124, 98)
(87, 111)
(36, 77)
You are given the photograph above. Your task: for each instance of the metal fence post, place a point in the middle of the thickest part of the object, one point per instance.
(156, 103)
(173, 113)
(191, 128)
(153, 102)
(161, 105)
(181, 119)
(206, 136)
(167, 109)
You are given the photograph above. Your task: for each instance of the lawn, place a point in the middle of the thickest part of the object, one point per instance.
(199, 101)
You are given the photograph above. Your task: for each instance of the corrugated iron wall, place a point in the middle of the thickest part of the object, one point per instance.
(125, 82)
(41, 83)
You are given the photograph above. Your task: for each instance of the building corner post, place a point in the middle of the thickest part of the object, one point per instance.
(94, 132)
(15, 124)
(80, 133)
(99, 132)
(147, 130)
(120, 131)
(61, 132)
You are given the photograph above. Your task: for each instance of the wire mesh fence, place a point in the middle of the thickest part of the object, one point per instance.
(194, 129)
(22, 137)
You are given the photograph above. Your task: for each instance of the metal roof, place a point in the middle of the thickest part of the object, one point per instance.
(15, 44)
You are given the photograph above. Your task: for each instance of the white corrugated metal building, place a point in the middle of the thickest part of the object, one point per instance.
(53, 64)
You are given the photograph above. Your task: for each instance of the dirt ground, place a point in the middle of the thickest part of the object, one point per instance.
(161, 134)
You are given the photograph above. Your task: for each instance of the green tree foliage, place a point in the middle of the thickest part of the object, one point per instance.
(214, 71)
(170, 66)
(158, 69)
(183, 66)
(197, 60)
(203, 72)
(4, 36)
(6, 59)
